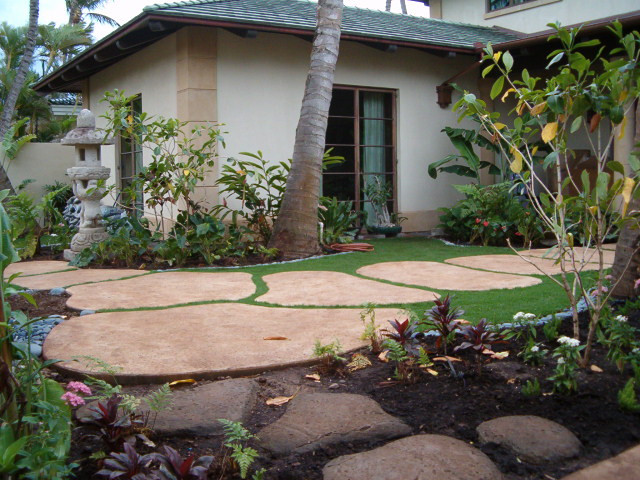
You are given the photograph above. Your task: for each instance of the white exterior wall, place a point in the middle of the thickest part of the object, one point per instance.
(150, 72)
(261, 83)
(534, 16)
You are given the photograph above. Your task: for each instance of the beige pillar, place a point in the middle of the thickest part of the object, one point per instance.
(484, 88)
(197, 89)
(435, 9)
(623, 141)
(86, 98)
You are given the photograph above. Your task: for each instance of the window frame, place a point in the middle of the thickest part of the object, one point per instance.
(134, 148)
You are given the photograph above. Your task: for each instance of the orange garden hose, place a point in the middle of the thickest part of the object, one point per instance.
(351, 247)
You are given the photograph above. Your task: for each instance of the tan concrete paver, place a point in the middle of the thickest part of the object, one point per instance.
(37, 267)
(610, 246)
(203, 341)
(335, 288)
(589, 254)
(162, 290)
(625, 466)
(444, 276)
(64, 279)
(512, 264)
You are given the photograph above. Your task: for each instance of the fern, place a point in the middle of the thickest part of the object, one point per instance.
(627, 397)
(160, 400)
(235, 435)
(397, 353)
(330, 350)
(102, 389)
(234, 432)
(244, 457)
(532, 389)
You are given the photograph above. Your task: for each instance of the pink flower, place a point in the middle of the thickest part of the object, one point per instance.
(518, 234)
(637, 283)
(485, 223)
(478, 220)
(73, 399)
(78, 387)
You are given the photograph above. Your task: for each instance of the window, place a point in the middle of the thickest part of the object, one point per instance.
(362, 130)
(131, 162)
(493, 5)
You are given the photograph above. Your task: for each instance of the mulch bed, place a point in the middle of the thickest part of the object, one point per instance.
(441, 404)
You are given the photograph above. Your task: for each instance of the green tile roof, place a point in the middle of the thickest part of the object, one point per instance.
(301, 14)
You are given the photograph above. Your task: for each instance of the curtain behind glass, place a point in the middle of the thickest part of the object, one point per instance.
(372, 160)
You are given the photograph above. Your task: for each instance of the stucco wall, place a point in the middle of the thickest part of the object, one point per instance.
(150, 72)
(261, 83)
(43, 162)
(534, 19)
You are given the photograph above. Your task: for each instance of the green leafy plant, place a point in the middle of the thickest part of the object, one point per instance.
(533, 353)
(532, 388)
(371, 330)
(627, 397)
(405, 333)
(619, 337)
(551, 329)
(523, 326)
(12, 141)
(567, 355)
(339, 221)
(236, 438)
(404, 363)
(329, 355)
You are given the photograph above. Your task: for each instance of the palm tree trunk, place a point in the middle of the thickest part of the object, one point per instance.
(403, 6)
(626, 265)
(18, 82)
(388, 8)
(295, 232)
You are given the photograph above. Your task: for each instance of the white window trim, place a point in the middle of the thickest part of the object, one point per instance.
(518, 8)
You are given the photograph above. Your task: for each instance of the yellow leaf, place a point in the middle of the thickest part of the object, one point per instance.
(593, 209)
(595, 368)
(462, 321)
(314, 376)
(496, 56)
(186, 172)
(130, 119)
(538, 109)
(241, 172)
(516, 164)
(520, 108)
(506, 94)
(445, 358)
(549, 131)
(358, 362)
(499, 126)
(534, 150)
(623, 96)
(383, 356)
(511, 381)
(627, 190)
(431, 371)
(186, 381)
(622, 128)
(275, 338)
(277, 401)
(500, 355)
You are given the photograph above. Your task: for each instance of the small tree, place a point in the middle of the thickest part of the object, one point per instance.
(591, 91)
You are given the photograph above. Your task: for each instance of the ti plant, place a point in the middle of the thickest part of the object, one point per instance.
(127, 465)
(115, 427)
(445, 319)
(480, 339)
(405, 333)
(174, 467)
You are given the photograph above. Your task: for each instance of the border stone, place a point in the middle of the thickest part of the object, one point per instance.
(421, 457)
(625, 466)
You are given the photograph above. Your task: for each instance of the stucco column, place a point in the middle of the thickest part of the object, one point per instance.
(624, 134)
(197, 89)
(484, 88)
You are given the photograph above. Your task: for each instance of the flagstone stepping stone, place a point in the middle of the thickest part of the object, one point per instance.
(610, 246)
(162, 290)
(73, 277)
(196, 411)
(513, 264)
(335, 288)
(316, 420)
(445, 277)
(590, 255)
(423, 457)
(37, 267)
(202, 341)
(533, 439)
(625, 466)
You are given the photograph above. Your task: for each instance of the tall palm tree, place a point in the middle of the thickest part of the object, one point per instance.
(12, 43)
(77, 10)
(59, 43)
(403, 6)
(295, 232)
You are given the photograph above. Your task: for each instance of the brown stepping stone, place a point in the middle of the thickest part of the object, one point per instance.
(625, 466)
(445, 277)
(590, 255)
(316, 420)
(422, 457)
(37, 267)
(533, 439)
(610, 246)
(162, 290)
(202, 341)
(335, 288)
(73, 277)
(196, 411)
(512, 264)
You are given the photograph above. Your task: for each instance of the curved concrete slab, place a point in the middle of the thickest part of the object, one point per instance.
(589, 254)
(513, 264)
(202, 341)
(162, 290)
(37, 267)
(335, 288)
(73, 277)
(445, 277)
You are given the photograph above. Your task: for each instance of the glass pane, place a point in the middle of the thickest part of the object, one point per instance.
(376, 104)
(349, 163)
(376, 132)
(125, 145)
(340, 131)
(342, 103)
(341, 186)
(138, 162)
(376, 159)
(126, 166)
(136, 105)
(367, 182)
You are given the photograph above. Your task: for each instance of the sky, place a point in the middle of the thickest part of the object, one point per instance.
(16, 12)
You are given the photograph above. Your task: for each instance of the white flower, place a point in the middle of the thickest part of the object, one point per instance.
(621, 319)
(529, 316)
(518, 316)
(560, 361)
(570, 342)
(635, 351)
(535, 348)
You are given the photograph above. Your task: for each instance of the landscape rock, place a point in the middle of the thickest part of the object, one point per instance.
(316, 420)
(196, 411)
(87, 312)
(625, 466)
(508, 371)
(533, 439)
(57, 291)
(36, 350)
(423, 457)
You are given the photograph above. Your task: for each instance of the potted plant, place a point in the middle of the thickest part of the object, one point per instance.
(379, 194)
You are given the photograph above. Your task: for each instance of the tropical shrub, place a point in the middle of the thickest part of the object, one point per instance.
(338, 219)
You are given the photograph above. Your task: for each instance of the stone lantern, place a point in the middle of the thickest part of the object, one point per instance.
(87, 179)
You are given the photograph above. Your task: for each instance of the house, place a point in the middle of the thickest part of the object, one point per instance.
(243, 63)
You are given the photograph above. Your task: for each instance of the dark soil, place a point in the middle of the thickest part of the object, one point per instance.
(46, 304)
(443, 404)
